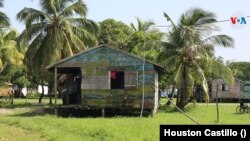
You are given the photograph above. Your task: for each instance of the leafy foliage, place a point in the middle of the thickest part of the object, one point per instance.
(15, 74)
(4, 19)
(189, 52)
(114, 33)
(145, 39)
(8, 51)
(241, 70)
(59, 30)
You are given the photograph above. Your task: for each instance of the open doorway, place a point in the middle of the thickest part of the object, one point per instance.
(117, 79)
(72, 88)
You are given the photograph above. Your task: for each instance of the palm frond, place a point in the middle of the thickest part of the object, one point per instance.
(10, 35)
(206, 49)
(203, 81)
(32, 49)
(31, 15)
(1, 3)
(68, 47)
(78, 44)
(198, 17)
(87, 24)
(221, 71)
(178, 76)
(64, 4)
(88, 38)
(4, 20)
(55, 32)
(78, 7)
(170, 20)
(22, 41)
(49, 6)
(133, 27)
(220, 40)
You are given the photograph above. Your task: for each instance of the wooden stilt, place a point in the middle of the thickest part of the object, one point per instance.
(103, 112)
(55, 90)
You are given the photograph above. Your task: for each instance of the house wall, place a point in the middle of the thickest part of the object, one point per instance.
(245, 90)
(95, 86)
(234, 91)
(97, 92)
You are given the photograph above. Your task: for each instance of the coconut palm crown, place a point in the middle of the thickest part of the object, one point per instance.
(189, 50)
(58, 30)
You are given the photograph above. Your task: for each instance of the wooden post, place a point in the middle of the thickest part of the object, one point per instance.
(153, 112)
(55, 89)
(217, 106)
(103, 112)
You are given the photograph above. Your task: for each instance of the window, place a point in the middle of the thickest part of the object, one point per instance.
(246, 88)
(131, 79)
(123, 79)
(117, 79)
(225, 87)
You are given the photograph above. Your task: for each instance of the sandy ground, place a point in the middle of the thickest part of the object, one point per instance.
(4, 111)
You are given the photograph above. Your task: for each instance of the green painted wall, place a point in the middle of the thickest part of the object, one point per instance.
(244, 90)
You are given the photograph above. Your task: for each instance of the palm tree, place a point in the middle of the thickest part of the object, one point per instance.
(8, 51)
(145, 37)
(60, 29)
(189, 49)
(143, 26)
(4, 20)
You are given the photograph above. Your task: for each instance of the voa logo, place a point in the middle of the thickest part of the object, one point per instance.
(238, 20)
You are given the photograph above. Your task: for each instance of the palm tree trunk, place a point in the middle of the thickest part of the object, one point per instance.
(185, 89)
(50, 90)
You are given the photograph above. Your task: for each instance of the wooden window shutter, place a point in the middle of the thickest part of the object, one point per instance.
(131, 79)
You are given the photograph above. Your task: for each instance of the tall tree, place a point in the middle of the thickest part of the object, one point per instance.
(60, 29)
(4, 20)
(114, 33)
(188, 50)
(143, 26)
(241, 70)
(8, 51)
(145, 39)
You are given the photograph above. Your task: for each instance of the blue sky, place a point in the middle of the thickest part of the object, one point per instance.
(127, 10)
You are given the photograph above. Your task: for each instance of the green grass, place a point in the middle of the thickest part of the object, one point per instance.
(12, 133)
(54, 128)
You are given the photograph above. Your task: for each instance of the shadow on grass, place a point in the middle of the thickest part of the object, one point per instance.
(30, 110)
(36, 111)
(172, 109)
(8, 105)
(96, 113)
(27, 109)
(12, 106)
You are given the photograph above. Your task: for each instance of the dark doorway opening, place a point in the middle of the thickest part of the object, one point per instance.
(117, 79)
(72, 89)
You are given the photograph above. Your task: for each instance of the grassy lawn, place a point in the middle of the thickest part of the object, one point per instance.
(34, 119)
(13, 133)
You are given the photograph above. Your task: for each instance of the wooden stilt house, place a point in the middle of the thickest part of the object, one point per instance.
(104, 77)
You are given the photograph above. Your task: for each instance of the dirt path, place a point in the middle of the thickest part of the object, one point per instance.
(4, 111)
